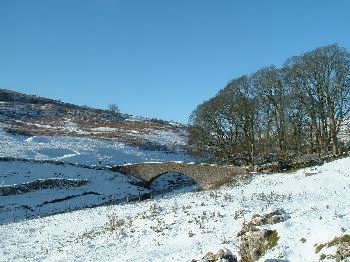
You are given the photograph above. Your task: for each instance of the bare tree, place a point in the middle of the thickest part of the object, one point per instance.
(292, 110)
(114, 108)
(269, 83)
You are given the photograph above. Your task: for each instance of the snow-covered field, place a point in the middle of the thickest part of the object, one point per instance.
(40, 189)
(81, 150)
(176, 226)
(185, 226)
(55, 194)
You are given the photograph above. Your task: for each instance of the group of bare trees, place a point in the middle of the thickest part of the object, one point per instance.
(297, 109)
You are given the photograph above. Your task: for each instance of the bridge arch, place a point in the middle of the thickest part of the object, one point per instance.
(170, 181)
(206, 175)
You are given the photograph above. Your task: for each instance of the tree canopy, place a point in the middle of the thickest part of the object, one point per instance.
(296, 109)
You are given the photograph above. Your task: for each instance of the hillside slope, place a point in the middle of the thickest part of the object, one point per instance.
(31, 115)
(82, 150)
(53, 156)
(182, 227)
(45, 175)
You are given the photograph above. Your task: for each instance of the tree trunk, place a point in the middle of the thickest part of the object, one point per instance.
(333, 129)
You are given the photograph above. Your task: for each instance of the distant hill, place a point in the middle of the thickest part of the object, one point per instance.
(32, 115)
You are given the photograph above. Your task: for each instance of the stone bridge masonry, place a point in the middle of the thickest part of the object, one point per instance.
(208, 176)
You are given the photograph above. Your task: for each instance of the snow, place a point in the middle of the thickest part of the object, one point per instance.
(179, 227)
(81, 150)
(103, 186)
(166, 137)
(103, 129)
(49, 224)
(45, 126)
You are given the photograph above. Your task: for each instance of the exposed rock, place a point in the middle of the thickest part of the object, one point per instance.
(255, 241)
(342, 244)
(247, 228)
(223, 255)
(210, 256)
(343, 251)
(254, 244)
(274, 217)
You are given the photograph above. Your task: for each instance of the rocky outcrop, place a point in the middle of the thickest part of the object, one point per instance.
(342, 245)
(274, 217)
(256, 241)
(254, 244)
(222, 255)
(343, 251)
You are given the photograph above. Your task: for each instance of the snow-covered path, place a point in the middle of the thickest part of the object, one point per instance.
(186, 226)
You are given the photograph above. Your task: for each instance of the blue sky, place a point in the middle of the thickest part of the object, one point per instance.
(155, 58)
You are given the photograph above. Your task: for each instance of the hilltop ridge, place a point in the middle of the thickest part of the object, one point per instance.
(33, 115)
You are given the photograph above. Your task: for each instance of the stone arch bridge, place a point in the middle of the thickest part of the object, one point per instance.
(208, 176)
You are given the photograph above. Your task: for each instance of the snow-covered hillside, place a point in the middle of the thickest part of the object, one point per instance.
(60, 200)
(81, 150)
(186, 226)
(31, 188)
(38, 116)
